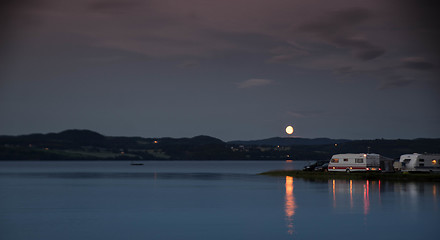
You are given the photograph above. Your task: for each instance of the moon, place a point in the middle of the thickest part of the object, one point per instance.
(289, 130)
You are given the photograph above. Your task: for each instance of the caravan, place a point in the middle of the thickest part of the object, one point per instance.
(420, 162)
(356, 162)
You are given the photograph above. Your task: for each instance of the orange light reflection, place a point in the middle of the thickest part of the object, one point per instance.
(351, 194)
(290, 204)
(366, 197)
(334, 193)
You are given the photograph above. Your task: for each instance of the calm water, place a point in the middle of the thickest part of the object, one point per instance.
(205, 200)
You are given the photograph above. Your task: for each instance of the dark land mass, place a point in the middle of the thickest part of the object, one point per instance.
(89, 145)
(279, 141)
(324, 176)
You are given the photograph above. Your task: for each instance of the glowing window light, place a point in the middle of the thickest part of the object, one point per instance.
(434, 162)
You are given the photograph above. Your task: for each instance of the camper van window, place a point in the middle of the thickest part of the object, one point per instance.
(421, 164)
(359, 160)
(434, 162)
(335, 160)
(345, 159)
(421, 160)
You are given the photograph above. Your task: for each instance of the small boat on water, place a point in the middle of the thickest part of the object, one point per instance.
(136, 163)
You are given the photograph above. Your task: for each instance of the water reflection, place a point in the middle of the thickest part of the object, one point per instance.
(351, 194)
(290, 204)
(352, 191)
(362, 196)
(366, 197)
(334, 193)
(379, 192)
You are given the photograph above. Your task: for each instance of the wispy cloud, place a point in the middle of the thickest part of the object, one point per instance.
(189, 64)
(417, 63)
(303, 114)
(287, 53)
(114, 6)
(339, 29)
(396, 83)
(254, 82)
(296, 114)
(310, 35)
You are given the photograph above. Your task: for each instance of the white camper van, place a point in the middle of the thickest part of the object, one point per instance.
(420, 162)
(356, 162)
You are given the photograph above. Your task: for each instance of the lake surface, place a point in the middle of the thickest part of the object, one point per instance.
(205, 200)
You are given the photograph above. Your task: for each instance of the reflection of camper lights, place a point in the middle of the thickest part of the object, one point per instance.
(434, 162)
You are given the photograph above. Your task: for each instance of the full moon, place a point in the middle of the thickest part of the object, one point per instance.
(289, 130)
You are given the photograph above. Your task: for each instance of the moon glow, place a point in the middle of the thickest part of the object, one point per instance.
(289, 130)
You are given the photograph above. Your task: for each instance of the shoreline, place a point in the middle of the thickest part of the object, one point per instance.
(393, 176)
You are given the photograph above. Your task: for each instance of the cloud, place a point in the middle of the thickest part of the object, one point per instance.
(192, 28)
(296, 114)
(395, 83)
(106, 59)
(369, 53)
(311, 35)
(362, 49)
(337, 22)
(288, 53)
(390, 78)
(417, 63)
(189, 64)
(282, 58)
(345, 70)
(387, 77)
(303, 114)
(254, 82)
(114, 6)
(340, 29)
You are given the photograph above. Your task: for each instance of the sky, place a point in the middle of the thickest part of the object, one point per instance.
(231, 69)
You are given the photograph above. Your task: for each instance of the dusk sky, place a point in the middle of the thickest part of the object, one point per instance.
(231, 69)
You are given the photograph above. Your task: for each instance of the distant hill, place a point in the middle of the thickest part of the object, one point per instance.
(198, 140)
(89, 145)
(278, 141)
